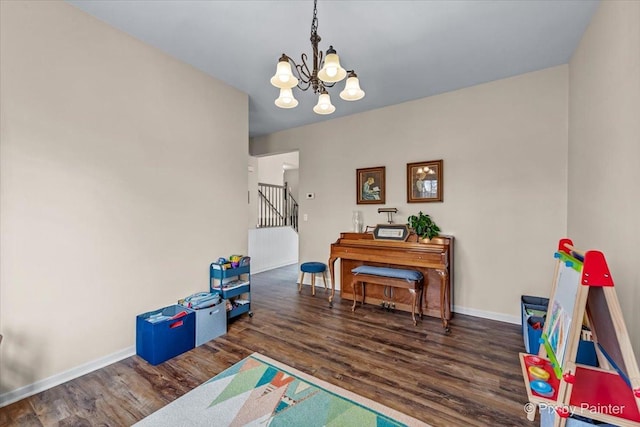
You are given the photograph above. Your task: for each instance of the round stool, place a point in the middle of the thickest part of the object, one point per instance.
(313, 268)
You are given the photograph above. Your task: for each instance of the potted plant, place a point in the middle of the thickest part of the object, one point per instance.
(423, 226)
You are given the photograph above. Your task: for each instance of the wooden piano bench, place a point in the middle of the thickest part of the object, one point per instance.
(394, 277)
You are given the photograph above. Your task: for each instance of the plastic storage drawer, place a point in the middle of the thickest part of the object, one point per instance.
(211, 322)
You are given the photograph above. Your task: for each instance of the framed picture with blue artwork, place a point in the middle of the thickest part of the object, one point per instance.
(370, 186)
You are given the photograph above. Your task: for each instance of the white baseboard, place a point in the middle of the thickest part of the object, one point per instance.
(47, 383)
(491, 315)
(273, 267)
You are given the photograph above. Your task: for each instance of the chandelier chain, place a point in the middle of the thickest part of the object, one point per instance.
(314, 21)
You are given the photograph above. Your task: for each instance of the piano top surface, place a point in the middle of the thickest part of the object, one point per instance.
(438, 244)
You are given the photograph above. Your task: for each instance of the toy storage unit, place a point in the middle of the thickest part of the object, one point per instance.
(211, 322)
(165, 333)
(234, 284)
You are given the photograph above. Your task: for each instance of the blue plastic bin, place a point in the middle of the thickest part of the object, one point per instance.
(159, 337)
(534, 333)
(530, 306)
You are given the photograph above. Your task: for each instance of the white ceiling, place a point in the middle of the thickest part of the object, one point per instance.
(401, 50)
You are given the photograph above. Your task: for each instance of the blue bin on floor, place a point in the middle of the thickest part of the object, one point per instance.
(532, 306)
(164, 333)
(534, 334)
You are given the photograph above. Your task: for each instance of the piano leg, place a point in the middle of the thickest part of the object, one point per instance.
(414, 298)
(443, 299)
(331, 264)
(355, 299)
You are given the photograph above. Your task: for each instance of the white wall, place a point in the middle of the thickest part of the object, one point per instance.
(271, 167)
(291, 177)
(604, 148)
(504, 146)
(252, 188)
(272, 247)
(113, 157)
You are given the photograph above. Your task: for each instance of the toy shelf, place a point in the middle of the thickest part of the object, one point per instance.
(234, 284)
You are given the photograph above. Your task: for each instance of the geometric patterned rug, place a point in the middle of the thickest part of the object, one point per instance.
(259, 391)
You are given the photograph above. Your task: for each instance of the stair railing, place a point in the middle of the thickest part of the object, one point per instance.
(276, 206)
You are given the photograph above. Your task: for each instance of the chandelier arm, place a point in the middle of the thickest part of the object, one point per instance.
(303, 69)
(300, 74)
(303, 85)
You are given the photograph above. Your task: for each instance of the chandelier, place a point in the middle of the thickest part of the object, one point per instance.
(329, 74)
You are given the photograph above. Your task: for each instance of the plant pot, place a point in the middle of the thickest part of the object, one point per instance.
(437, 240)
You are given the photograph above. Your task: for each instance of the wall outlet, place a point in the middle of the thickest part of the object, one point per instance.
(305, 217)
(311, 195)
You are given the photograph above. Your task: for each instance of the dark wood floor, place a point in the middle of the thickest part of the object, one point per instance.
(469, 378)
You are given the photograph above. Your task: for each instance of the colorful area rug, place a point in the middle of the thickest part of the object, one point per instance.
(259, 391)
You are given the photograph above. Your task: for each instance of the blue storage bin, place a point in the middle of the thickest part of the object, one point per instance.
(534, 334)
(211, 322)
(160, 336)
(587, 353)
(532, 306)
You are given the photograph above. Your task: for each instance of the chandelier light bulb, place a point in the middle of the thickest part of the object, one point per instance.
(284, 78)
(352, 91)
(332, 71)
(324, 105)
(286, 99)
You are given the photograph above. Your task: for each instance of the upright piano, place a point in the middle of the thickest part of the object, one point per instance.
(434, 260)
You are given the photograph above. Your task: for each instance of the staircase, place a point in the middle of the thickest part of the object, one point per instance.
(276, 206)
